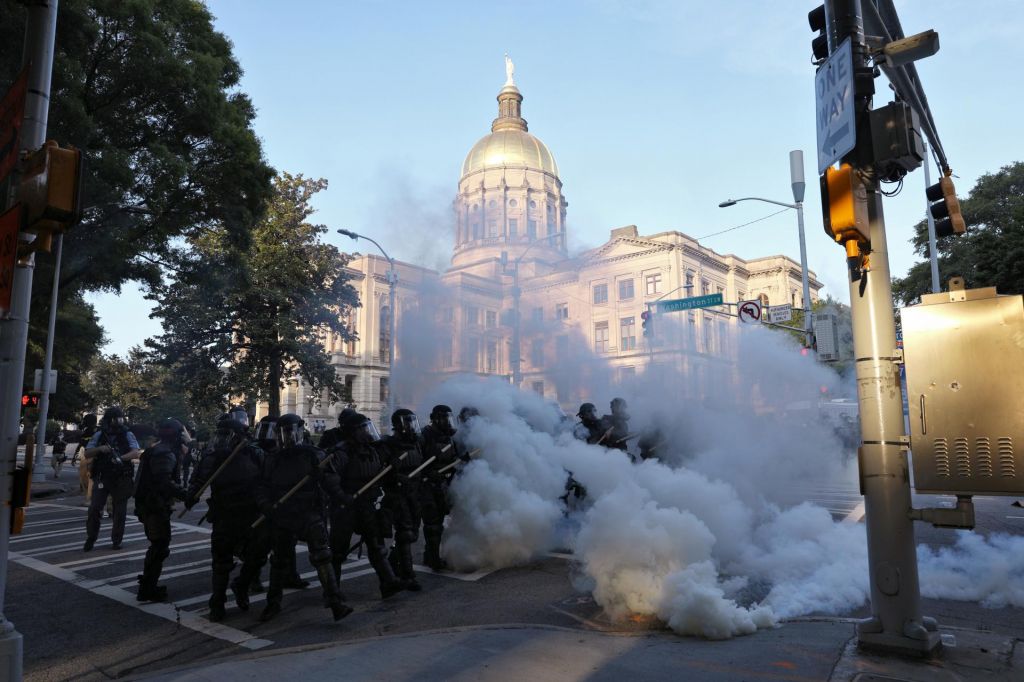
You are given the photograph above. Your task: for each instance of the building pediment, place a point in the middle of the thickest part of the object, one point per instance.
(623, 248)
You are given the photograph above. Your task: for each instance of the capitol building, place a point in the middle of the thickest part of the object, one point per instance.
(514, 304)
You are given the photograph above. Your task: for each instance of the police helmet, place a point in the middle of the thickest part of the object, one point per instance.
(587, 411)
(443, 419)
(266, 430)
(404, 422)
(360, 429)
(113, 419)
(291, 430)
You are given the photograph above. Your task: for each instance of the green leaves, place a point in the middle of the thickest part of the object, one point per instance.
(992, 251)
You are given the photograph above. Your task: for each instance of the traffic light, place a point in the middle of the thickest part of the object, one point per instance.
(819, 22)
(648, 323)
(946, 209)
(29, 401)
(844, 209)
(50, 192)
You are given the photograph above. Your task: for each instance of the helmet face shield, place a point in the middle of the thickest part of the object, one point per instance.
(445, 421)
(290, 435)
(266, 431)
(224, 439)
(409, 424)
(240, 416)
(366, 433)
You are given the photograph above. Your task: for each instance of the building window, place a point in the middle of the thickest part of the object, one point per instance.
(446, 355)
(741, 295)
(709, 335)
(794, 298)
(705, 287)
(601, 343)
(513, 226)
(627, 328)
(600, 293)
(492, 356)
(763, 298)
(538, 314)
(720, 290)
(722, 338)
(349, 390)
(691, 330)
(471, 354)
(538, 387)
(537, 353)
(385, 388)
(626, 373)
(491, 318)
(689, 284)
(476, 230)
(562, 348)
(533, 204)
(385, 333)
(472, 315)
(653, 284)
(492, 204)
(513, 203)
(561, 311)
(625, 289)
(531, 229)
(492, 228)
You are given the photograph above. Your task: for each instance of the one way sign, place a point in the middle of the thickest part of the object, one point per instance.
(833, 88)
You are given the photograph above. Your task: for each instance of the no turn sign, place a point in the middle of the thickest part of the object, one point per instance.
(750, 311)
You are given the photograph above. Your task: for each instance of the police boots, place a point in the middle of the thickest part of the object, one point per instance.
(400, 559)
(332, 597)
(150, 591)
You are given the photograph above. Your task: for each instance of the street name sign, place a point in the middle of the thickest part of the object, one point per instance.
(780, 313)
(12, 111)
(833, 90)
(749, 311)
(689, 303)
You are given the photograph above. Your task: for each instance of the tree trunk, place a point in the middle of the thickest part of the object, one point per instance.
(274, 400)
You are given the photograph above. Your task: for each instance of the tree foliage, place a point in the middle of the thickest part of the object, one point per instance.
(992, 251)
(147, 89)
(260, 310)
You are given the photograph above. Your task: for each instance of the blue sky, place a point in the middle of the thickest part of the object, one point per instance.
(655, 110)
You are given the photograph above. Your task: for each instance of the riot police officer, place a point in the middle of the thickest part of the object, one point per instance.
(232, 510)
(301, 516)
(154, 496)
(332, 437)
(358, 462)
(618, 422)
(111, 451)
(401, 492)
(437, 443)
(590, 428)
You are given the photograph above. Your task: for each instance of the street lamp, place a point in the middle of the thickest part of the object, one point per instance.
(517, 375)
(796, 174)
(392, 281)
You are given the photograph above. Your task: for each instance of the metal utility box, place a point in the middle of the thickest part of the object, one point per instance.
(964, 355)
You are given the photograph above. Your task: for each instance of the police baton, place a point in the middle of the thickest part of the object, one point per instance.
(422, 466)
(606, 434)
(383, 472)
(449, 466)
(206, 485)
(630, 436)
(295, 488)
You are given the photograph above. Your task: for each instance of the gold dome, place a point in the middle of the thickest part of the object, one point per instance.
(509, 148)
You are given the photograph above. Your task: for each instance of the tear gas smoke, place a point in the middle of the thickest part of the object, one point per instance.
(715, 539)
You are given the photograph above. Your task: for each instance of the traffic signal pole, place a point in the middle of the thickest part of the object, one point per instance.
(896, 623)
(40, 31)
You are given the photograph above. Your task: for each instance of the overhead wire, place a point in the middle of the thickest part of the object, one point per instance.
(770, 215)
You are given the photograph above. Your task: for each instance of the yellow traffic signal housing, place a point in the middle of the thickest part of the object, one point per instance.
(947, 209)
(50, 191)
(844, 211)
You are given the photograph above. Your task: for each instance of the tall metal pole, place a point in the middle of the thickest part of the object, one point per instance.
(38, 474)
(796, 174)
(40, 31)
(933, 256)
(393, 282)
(896, 623)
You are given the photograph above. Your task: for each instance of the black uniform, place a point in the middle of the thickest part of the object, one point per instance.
(433, 490)
(591, 429)
(154, 496)
(618, 422)
(301, 517)
(402, 498)
(356, 464)
(112, 477)
(232, 510)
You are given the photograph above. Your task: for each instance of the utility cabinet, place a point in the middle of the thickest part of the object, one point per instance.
(964, 359)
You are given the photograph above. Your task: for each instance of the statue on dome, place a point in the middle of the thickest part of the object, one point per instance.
(510, 71)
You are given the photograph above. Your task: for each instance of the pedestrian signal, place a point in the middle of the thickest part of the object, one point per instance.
(648, 323)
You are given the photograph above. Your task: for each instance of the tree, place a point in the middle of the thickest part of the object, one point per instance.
(147, 89)
(261, 310)
(992, 251)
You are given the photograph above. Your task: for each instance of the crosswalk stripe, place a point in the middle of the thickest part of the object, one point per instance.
(94, 562)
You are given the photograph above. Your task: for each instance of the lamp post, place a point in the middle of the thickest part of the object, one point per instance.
(516, 358)
(796, 173)
(392, 281)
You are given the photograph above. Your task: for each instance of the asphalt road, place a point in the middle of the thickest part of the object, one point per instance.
(78, 614)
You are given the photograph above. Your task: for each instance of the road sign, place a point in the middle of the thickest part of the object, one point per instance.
(12, 112)
(833, 89)
(9, 224)
(37, 381)
(750, 311)
(780, 313)
(689, 303)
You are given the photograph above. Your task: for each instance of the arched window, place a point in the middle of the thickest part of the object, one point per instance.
(764, 300)
(385, 332)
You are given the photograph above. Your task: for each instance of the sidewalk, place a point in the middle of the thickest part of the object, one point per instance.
(819, 649)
